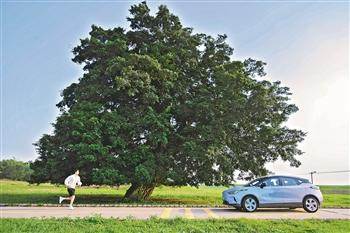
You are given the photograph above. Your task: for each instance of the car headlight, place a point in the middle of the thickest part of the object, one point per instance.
(315, 187)
(236, 191)
(233, 192)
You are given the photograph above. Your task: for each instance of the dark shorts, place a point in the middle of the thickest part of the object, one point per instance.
(71, 191)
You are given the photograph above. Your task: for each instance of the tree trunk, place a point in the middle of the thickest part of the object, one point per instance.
(139, 192)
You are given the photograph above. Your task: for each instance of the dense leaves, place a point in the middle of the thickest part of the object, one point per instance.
(159, 104)
(14, 170)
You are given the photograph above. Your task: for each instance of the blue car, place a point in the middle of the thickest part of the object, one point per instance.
(275, 192)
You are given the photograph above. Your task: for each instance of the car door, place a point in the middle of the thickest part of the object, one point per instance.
(270, 194)
(292, 192)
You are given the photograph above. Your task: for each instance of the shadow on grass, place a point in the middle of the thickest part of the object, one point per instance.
(43, 198)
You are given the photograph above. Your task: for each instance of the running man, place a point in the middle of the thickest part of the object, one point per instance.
(71, 181)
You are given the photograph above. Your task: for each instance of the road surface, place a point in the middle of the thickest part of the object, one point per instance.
(189, 213)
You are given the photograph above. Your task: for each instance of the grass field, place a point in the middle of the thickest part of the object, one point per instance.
(15, 192)
(97, 224)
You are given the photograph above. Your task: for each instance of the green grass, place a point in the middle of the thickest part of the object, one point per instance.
(97, 224)
(13, 192)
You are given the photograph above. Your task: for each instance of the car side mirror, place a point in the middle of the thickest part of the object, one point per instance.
(263, 185)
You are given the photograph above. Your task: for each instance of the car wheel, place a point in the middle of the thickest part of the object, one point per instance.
(310, 204)
(249, 204)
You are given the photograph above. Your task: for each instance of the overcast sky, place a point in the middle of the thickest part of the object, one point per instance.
(305, 44)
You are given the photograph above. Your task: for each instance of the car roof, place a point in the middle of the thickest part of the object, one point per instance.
(272, 176)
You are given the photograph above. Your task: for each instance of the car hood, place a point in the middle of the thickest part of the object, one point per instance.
(234, 189)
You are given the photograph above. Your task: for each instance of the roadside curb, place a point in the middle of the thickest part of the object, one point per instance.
(131, 205)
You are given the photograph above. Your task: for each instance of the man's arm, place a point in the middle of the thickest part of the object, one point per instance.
(79, 182)
(68, 180)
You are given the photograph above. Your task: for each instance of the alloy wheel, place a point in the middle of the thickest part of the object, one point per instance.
(311, 205)
(250, 204)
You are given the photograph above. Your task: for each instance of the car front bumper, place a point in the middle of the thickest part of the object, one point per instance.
(230, 200)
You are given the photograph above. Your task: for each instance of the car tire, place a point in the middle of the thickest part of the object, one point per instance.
(249, 204)
(310, 204)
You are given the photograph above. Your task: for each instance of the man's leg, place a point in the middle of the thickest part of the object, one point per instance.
(63, 198)
(71, 197)
(72, 200)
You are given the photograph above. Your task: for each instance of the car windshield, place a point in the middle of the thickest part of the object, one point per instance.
(253, 183)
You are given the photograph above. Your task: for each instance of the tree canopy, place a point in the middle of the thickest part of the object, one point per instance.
(160, 104)
(13, 169)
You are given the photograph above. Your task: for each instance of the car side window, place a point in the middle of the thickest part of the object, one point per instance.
(255, 183)
(272, 181)
(303, 181)
(287, 181)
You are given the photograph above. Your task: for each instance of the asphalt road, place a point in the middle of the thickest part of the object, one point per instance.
(190, 213)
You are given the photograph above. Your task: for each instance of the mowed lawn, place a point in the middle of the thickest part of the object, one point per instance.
(16, 192)
(97, 224)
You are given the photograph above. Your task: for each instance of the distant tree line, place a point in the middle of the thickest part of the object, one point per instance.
(13, 169)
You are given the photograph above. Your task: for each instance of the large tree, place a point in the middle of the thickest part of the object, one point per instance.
(160, 104)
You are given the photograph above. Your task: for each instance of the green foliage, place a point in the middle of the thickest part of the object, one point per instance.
(15, 170)
(159, 104)
(97, 224)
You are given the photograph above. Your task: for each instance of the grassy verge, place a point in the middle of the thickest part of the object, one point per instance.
(97, 224)
(16, 192)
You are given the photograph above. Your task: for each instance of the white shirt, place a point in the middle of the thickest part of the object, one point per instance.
(72, 180)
